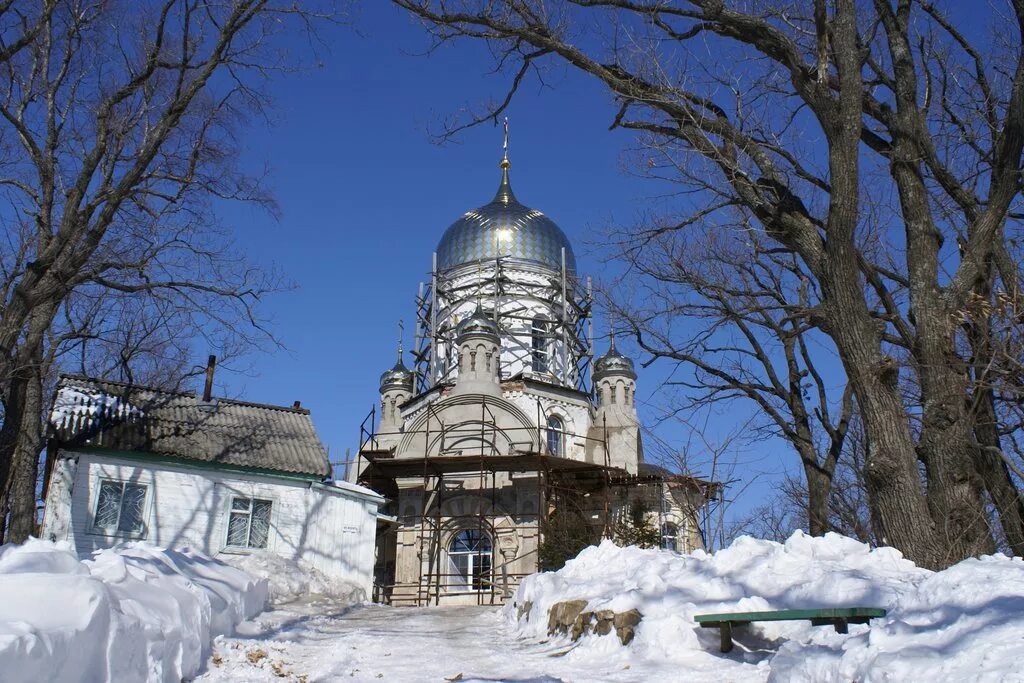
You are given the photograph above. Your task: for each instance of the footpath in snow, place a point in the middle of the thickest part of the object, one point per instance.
(310, 642)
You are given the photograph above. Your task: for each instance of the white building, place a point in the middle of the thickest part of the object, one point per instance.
(507, 443)
(225, 476)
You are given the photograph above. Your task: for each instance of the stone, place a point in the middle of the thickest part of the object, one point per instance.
(524, 610)
(625, 625)
(570, 618)
(581, 626)
(562, 615)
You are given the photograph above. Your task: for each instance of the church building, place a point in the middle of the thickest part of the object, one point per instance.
(506, 446)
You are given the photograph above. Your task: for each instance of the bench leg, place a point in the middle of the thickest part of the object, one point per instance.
(725, 633)
(840, 625)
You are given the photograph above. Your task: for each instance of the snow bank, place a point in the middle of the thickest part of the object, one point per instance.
(134, 612)
(961, 623)
(965, 623)
(290, 580)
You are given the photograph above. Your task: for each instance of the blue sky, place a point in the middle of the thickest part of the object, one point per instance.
(365, 195)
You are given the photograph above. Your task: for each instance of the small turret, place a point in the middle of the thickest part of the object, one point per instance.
(479, 344)
(616, 419)
(397, 386)
(615, 378)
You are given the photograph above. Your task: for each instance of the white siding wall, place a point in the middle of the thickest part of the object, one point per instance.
(324, 526)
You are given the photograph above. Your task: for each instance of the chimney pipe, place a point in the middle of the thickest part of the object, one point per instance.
(297, 404)
(211, 364)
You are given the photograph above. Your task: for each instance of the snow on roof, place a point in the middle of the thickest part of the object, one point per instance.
(119, 416)
(354, 488)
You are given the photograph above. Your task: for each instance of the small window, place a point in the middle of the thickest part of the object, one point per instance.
(556, 434)
(669, 536)
(249, 523)
(120, 507)
(469, 553)
(539, 334)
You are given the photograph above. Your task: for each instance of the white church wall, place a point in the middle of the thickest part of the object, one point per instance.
(328, 526)
(515, 349)
(575, 416)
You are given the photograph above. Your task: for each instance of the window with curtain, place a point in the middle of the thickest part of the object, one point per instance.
(469, 557)
(556, 434)
(249, 522)
(120, 506)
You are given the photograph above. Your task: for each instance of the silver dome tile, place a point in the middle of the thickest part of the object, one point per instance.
(398, 377)
(477, 325)
(504, 227)
(613, 363)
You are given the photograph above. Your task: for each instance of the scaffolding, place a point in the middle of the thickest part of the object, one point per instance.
(553, 480)
(443, 477)
(441, 461)
(508, 295)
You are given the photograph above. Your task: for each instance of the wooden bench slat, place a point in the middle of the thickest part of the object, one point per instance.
(838, 617)
(792, 614)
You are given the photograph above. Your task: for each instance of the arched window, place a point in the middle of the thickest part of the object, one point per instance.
(669, 536)
(556, 435)
(539, 334)
(469, 557)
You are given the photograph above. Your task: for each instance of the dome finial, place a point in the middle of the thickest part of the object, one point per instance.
(505, 163)
(505, 195)
(399, 377)
(401, 334)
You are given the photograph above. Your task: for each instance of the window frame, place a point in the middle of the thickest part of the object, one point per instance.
(540, 353)
(231, 511)
(471, 584)
(116, 532)
(559, 433)
(666, 535)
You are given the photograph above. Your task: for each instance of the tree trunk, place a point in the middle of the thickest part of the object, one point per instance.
(21, 436)
(1007, 499)
(956, 492)
(891, 475)
(819, 490)
(991, 466)
(14, 411)
(25, 472)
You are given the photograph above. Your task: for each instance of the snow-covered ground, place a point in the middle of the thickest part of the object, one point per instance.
(131, 613)
(963, 624)
(141, 613)
(312, 642)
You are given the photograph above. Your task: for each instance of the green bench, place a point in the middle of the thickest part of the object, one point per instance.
(836, 617)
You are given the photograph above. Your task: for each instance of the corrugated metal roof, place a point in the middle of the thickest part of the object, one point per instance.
(98, 413)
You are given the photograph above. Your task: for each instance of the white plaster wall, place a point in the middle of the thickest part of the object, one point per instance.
(576, 418)
(324, 526)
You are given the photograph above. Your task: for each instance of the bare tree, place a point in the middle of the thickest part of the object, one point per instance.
(794, 113)
(734, 311)
(118, 124)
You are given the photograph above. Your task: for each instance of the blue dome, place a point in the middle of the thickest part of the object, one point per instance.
(504, 228)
